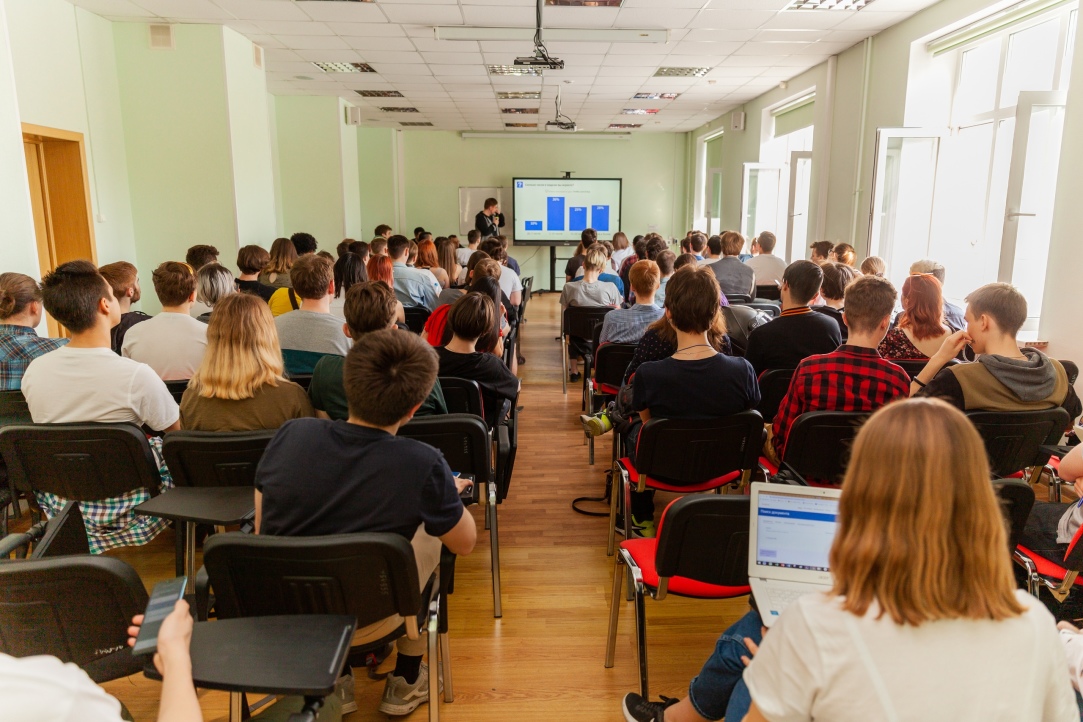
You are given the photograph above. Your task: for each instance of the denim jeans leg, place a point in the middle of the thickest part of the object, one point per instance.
(719, 686)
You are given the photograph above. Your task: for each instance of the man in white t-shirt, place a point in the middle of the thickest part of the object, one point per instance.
(588, 292)
(172, 343)
(85, 381)
(768, 267)
(462, 255)
(312, 331)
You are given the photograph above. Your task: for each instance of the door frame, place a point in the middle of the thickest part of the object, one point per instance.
(796, 156)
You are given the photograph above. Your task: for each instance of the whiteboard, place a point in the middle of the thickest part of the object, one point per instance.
(472, 201)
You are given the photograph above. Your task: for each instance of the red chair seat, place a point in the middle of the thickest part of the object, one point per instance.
(600, 388)
(633, 477)
(772, 469)
(1046, 567)
(643, 552)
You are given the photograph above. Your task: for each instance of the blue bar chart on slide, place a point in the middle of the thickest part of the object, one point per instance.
(558, 210)
(599, 218)
(533, 225)
(556, 213)
(577, 218)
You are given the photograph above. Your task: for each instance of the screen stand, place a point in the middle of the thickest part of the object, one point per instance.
(553, 269)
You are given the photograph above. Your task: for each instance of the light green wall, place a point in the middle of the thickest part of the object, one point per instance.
(376, 167)
(351, 180)
(18, 252)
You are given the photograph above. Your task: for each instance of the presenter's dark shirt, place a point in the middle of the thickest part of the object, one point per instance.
(489, 225)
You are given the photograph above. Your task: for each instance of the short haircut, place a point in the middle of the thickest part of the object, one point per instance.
(490, 202)
(595, 258)
(120, 276)
(473, 237)
(714, 245)
(644, 277)
(71, 294)
(303, 242)
(475, 258)
(398, 246)
(486, 268)
(869, 302)
(822, 248)
(344, 247)
(693, 300)
(804, 279)
(732, 243)
(767, 241)
(1003, 303)
(424, 236)
(387, 374)
(685, 259)
(928, 265)
(17, 291)
(381, 229)
(655, 246)
(199, 256)
(588, 236)
(328, 255)
(493, 248)
(174, 282)
(378, 246)
(252, 259)
(472, 316)
(837, 276)
(213, 283)
(665, 261)
(873, 266)
(360, 249)
(370, 306)
(640, 248)
(418, 231)
(698, 242)
(311, 276)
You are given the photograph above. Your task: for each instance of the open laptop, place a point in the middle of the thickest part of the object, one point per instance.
(791, 532)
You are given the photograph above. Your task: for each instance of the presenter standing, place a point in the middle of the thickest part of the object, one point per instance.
(489, 221)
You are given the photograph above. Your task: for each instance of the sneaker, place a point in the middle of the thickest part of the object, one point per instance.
(637, 709)
(344, 691)
(574, 376)
(644, 529)
(596, 424)
(401, 698)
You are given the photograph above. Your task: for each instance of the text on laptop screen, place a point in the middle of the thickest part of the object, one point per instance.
(795, 532)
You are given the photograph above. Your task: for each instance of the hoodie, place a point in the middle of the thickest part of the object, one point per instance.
(1030, 379)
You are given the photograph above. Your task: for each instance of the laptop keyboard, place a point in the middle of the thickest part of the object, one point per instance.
(780, 597)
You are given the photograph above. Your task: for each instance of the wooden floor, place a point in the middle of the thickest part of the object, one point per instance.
(544, 659)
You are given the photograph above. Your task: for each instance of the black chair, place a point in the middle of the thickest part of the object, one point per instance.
(1072, 370)
(741, 298)
(177, 388)
(75, 608)
(302, 380)
(610, 362)
(774, 383)
(1057, 575)
(913, 366)
(1016, 499)
(769, 292)
(701, 551)
(463, 396)
(13, 410)
(366, 575)
(771, 309)
(818, 447)
(683, 456)
(528, 290)
(1014, 441)
(580, 322)
(62, 535)
(416, 316)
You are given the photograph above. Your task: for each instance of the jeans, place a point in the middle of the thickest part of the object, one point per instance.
(719, 690)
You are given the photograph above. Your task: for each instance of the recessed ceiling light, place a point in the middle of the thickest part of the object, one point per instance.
(681, 72)
(518, 95)
(379, 93)
(345, 67)
(520, 125)
(624, 126)
(586, 3)
(400, 110)
(852, 5)
(514, 70)
(656, 96)
(639, 111)
(415, 124)
(522, 111)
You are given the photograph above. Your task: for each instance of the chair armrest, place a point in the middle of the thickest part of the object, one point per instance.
(789, 475)
(14, 542)
(502, 477)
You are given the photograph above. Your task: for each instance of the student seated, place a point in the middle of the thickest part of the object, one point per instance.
(852, 378)
(953, 315)
(240, 385)
(1005, 377)
(608, 274)
(587, 238)
(874, 266)
(284, 299)
(473, 239)
(448, 262)
(413, 286)
(85, 382)
(349, 270)
(311, 331)
(685, 259)
(591, 293)
(837, 277)
(666, 260)
(370, 306)
(197, 257)
(509, 281)
(821, 252)
(172, 343)
(843, 253)
(213, 283)
(123, 277)
(379, 268)
(902, 635)
(277, 271)
(470, 318)
(20, 315)
(370, 480)
(251, 260)
(627, 325)
(798, 332)
(734, 277)
(696, 382)
(427, 260)
(766, 265)
(920, 329)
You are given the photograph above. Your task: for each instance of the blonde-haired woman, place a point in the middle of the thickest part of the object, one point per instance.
(240, 384)
(277, 272)
(924, 621)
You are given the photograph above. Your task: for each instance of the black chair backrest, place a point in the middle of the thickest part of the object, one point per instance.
(705, 537)
(738, 298)
(1013, 440)
(583, 321)
(1072, 369)
(416, 316)
(205, 458)
(302, 380)
(64, 534)
(79, 462)
(1016, 499)
(768, 292)
(13, 409)
(771, 309)
(913, 366)
(462, 438)
(685, 452)
(818, 444)
(774, 383)
(372, 576)
(611, 361)
(463, 396)
(75, 608)
(177, 389)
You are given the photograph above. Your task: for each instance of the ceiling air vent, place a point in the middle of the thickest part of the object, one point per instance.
(681, 72)
(639, 111)
(655, 96)
(343, 67)
(400, 110)
(161, 37)
(379, 93)
(415, 124)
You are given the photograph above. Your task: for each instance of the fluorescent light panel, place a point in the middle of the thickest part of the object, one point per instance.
(564, 35)
(675, 72)
(639, 111)
(520, 125)
(520, 111)
(656, 96)
(415, 124)
(345, 67)
(379, 93)
(852, 5)
(586, 3)
(623, 126)
(519, 95)
(400, 110)
(514, 70)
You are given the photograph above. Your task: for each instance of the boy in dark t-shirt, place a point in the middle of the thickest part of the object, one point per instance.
(369, 480)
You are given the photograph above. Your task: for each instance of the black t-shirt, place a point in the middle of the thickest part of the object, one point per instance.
(789, 339)
(488, 225)
(836, 314)
(127, 320)
(573, 265)
(702, 389)
(366, 480)
(498, 383)
(255, 287)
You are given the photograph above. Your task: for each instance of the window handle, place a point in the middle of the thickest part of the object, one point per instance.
(1017, 214)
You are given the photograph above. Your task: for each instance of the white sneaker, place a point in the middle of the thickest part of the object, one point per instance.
(344, 691)
(401, 698)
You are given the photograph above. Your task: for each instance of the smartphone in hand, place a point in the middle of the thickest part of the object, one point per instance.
(162, 600)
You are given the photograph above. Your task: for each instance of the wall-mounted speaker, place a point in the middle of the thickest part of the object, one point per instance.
(161, 37)
(353, 115)
(737, 120)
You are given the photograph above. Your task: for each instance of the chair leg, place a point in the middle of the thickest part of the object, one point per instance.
(641, 639)
(590, 449)
(614, 495)
(236, 704)
(614, 612)
(627, 490)
(445, 667)
(190, 550)
(494, 546)
(434, 662)
(563, 365)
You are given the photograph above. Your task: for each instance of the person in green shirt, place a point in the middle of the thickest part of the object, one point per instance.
(370, 306)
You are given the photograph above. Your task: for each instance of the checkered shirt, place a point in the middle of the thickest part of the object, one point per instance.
(627, 325)
(852, 378)
(19, 345)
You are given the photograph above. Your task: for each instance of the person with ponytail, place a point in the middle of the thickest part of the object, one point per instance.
(20, 315)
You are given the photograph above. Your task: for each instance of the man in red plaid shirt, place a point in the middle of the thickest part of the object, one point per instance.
(852, 378)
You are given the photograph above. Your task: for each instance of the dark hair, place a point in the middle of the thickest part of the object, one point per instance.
(489, 203)
(199, 256)
(71, 294)
(804, 278)
(655, 246)
(311, 275)
(252, 259)
(475, 258)
(494, 248)
(666, 261)
(837, 276)
(398, 246)
(120, 276)
(714, 245)
(348, 271)
(418, 231)
(693, 300)
(698, 242)
(360, 248)
(174, 282)
(327, 255)
(381, 229)
(386, 374)
(344, 247)
(822, 248)
(471, 316)
(640, 248)
(685, 259)
(489, 286)
(588, 236)
(304, 243)
(17, 291)
(473, 236)
(869, 302)
(370, 306)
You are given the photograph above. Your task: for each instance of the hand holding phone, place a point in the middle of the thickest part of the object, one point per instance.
(162, 602)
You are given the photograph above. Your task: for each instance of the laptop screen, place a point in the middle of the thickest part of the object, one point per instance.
(795, 532)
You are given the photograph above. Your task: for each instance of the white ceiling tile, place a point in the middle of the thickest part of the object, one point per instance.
(622, 72)
(682, 4)
(263, 9)
(453, 58)
(708, 49)
(191, 9)
(329, 55)
(644, 60)
(719, 36)
(666, 17)
(871, 21)
(392, 71)
(343, 12)
(500, 17)
(243, 27)
(314, 42)
(507, 47)
(583, 17)
(432, 45)
(424, 14)
(281, 55)
(390, 57)
(806, 19)
(114, 8)
(571, 59)
(368, 43)
(281, 27)
(591, 48)
(267, 41)
(768, 5)
(369, 30)
(731, 19)
(780, 36)
(770, 50)
(461, 71)
(823, 48)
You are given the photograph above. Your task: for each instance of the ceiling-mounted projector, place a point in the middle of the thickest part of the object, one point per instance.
(540, 60)
(566, 126)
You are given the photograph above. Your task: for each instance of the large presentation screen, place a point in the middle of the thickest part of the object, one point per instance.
(558, 210)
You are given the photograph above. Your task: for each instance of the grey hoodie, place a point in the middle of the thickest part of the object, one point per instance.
(1032, 379)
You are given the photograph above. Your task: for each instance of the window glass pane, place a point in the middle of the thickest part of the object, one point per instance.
(998, 198)
(1032, 60)
(978, 80)
(1069, 51)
